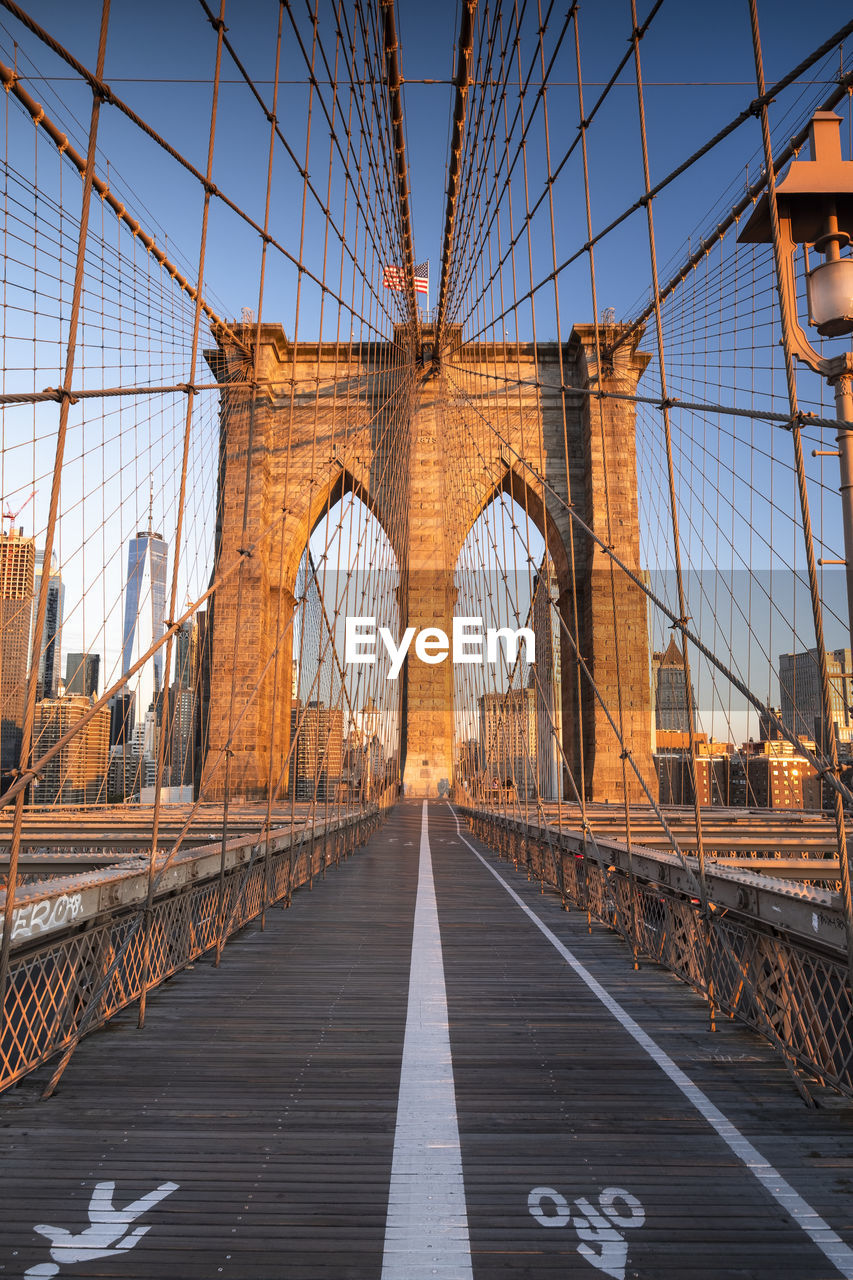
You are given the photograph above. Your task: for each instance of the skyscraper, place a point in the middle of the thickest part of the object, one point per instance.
(144, 615)
(202, 701)
(181, 705)
(77, 774)
(51, 639)
(546, 680)
(17, 574)
(81, 673)
(800, 689)
(508, 738)
(367, 722)
(670, 690)
(122, 718)
(317, 761)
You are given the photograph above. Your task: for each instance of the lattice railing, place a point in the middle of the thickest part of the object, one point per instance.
(76, 981)
(794, 994)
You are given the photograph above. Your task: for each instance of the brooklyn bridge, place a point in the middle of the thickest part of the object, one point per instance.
(426, 593)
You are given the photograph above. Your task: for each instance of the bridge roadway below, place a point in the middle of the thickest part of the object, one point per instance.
(299, 1113)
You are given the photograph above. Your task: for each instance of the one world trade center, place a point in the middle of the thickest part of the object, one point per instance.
(144, 616)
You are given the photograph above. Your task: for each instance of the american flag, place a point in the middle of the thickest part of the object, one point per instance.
(395, 278)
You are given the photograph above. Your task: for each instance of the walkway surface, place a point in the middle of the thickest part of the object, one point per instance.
(405, 1077)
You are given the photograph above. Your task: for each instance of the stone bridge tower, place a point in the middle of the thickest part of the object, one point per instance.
(325, 419)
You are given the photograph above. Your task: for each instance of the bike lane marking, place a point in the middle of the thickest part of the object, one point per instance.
(818, 1230)
(426, 1230)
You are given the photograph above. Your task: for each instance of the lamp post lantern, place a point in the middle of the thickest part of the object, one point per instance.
(815, 203)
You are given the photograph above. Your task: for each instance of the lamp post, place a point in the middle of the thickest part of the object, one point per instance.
(815, 203)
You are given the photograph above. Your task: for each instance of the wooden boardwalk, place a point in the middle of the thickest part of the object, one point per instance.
(262, 1101)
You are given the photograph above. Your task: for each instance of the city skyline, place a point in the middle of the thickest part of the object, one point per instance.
(146, 596)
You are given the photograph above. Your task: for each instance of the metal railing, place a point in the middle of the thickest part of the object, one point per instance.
(78, 948)
(771, 954)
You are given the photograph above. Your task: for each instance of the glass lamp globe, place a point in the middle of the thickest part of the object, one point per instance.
(831, 297)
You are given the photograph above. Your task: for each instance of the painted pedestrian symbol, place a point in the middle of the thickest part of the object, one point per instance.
(601, 1245)
(107, 1236)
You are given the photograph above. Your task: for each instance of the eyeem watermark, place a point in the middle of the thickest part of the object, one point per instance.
(432, 645)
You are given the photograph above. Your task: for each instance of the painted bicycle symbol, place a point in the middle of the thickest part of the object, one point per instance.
(602, 1245)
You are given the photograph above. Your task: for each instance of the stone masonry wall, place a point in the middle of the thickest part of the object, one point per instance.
(322, 422)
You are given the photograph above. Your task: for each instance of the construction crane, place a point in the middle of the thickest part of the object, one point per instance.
(12, 516)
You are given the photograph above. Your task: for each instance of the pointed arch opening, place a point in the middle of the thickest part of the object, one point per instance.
(345, 713)
(508, 722)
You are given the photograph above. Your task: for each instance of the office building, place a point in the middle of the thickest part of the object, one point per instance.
(51, 639)
(366, 733)
(201, 713)
(185, 658)
(316, 763)
(82, 671)
(181, 720)
(778, 778)
(367, 721)
(545, 680)
(712, 769)
(124, 774)
(122, 718)
(17, 577)
(354, 766)
(508, 739)
(675, 778)
(133, 762)
(144, 616)
(669, 683)
(800, 690)
(77, 774)
(181, 706)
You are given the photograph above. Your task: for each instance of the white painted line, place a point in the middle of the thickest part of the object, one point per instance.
(426, 1231)
(827, 1240)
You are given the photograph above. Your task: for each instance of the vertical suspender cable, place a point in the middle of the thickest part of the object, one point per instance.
(50, 531)
(165, 727)
(392, 65)
(617, 647)
(463, 82)
(673, 503)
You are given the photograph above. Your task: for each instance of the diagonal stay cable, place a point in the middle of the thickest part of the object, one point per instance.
(106, 94)
(766, 710)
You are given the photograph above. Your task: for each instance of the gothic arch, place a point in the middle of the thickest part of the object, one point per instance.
(537, 510)
(320, 505)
